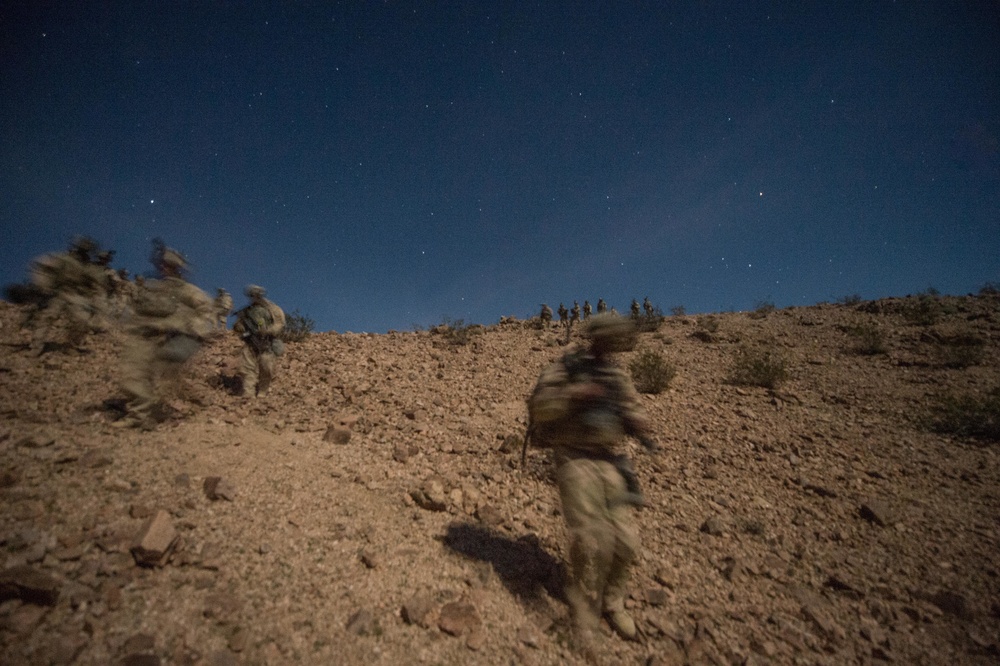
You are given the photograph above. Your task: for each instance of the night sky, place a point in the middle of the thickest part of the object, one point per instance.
(385, 165)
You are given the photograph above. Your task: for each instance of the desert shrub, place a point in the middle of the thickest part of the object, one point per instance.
(648, 323)
(961, 351)
(924, 310)
(758, 367)
(706, 329)
(762, 308)
(869, 339)
(968, 415)
(456, 332)
(850, 299)
(678, 311)
(651, 372)
(990, 289)
(298, 327)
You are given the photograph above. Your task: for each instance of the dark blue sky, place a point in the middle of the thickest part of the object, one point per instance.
(380, 165)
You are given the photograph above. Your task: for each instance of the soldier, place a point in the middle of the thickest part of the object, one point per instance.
(563, 315)
(259, 324)
(602, 307)
(171, 318)
(583, 406)
(587, 310)
(223, 306)
(574, 314)
(72, 294)
(546, 314)
(647, 307)
(635, 309)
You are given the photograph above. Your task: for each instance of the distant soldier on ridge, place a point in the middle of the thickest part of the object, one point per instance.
(602, 307)
(259, 324)
(587, 310)
(223, 306)
(546, 314)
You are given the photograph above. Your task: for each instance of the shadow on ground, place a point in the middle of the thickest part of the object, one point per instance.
(522, 565)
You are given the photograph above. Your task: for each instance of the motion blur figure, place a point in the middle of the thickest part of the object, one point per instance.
(170, 320)
(223, 307)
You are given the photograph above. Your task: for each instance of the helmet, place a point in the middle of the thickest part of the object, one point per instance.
(172, 257)
(253, 291)
(611, 332)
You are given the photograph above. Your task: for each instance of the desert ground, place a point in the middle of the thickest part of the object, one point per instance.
(372, 509)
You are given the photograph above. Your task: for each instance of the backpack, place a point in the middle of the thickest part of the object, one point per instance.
(255, 318)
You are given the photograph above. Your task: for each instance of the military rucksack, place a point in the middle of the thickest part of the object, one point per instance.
(255, 318)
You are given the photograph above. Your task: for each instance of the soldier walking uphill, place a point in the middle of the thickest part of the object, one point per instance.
(583, 407)
(68, 291)
(171, 318)
(546, 314)
(259, 324)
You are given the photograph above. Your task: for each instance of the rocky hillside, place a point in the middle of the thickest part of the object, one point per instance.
(372, 508)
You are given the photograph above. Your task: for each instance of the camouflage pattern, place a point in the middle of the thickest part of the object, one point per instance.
(75, 298)
(602, 307)
(587, 310)
(647, 307)
(223, 307)
(170, 320)
(635, 309)
(546, 314)
(574, 314)
(584, 406)
(563, 314)
(258, 359)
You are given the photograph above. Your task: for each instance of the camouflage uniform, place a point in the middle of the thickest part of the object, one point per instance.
(602, 307)
(259, 356)
(584, 406)
(170, 320)
(647, 307)
(75, 298)
(563, 314)
(546, 314)
(574, 314)
(587, 310)
(635, 309)
(223, 306)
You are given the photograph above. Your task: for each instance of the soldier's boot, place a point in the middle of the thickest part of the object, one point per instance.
(585, 620)
(614, 607)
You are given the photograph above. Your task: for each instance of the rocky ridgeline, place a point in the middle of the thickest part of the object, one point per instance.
(372, 509)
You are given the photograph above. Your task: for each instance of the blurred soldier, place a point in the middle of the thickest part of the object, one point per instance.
(574, 314)
(647, 307)
(602, 307)
(171, 319)
(635, 309)
(587, 310)
(259, 324)
(563, 315)
(583, 407)
(223, 306)
(72, 294)
(546, 314)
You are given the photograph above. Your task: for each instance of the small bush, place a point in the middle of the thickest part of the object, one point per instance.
(990, 289)
(968, 416)
(762, 308)
(758, 368)
(678, 311)
(961, 351)
(456, 332)
(850, 299)
(710, 324)
(925, 310)
(651, 372)
(869, 339)
(298, 327)
(649, 323)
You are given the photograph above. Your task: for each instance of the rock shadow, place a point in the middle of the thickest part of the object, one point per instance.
(522, 565)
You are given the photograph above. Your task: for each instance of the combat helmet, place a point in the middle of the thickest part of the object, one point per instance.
(611, 333)
(255, 291)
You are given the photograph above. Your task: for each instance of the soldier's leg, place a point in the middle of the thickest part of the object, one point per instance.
(249, 371)
(626, 548)
(139, 369)
(591, 541)
(266, 363)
